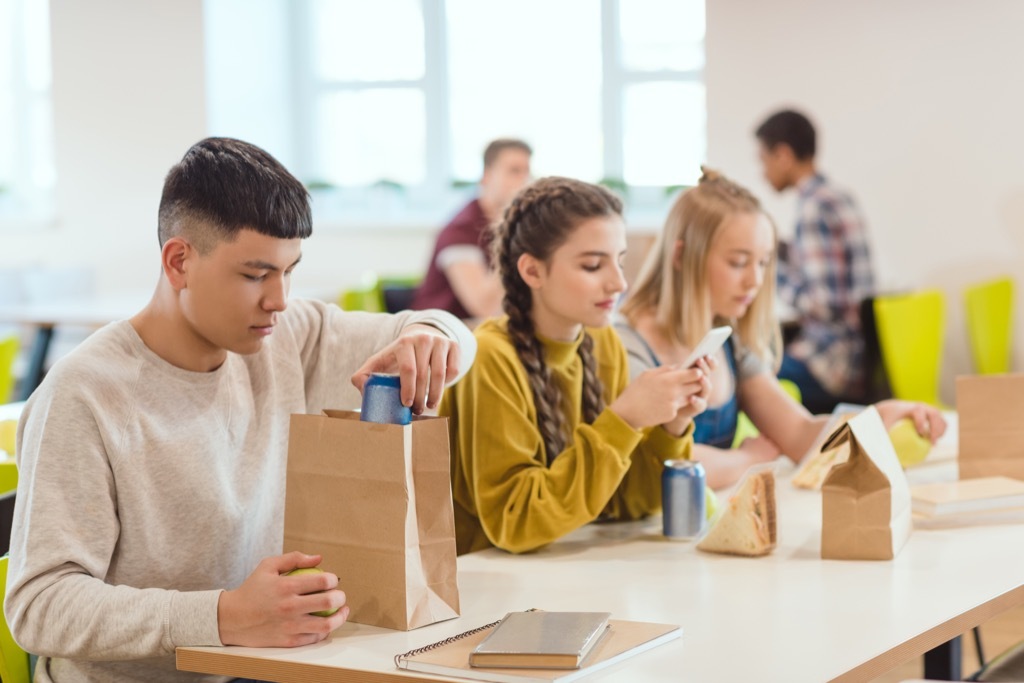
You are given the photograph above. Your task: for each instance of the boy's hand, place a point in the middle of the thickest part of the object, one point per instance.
(424, 358)
(271, 610)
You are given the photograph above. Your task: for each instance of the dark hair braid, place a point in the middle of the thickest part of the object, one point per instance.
(537, 222)
(593, 390)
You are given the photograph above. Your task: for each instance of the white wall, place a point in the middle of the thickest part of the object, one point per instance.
(129, 89)
(918, 115)
(128, 100)
(917, 103)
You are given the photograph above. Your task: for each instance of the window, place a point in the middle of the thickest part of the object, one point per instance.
(393, 101)
(27, 171)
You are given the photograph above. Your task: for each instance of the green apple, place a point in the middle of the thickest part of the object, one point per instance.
(911, 448)
(313, 570)
(710, 502)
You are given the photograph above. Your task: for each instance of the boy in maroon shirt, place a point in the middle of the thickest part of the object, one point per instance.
(459, 278)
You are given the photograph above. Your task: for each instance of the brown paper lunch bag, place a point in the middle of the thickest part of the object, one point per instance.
(375, 500)
(990, 409)
(865, 507)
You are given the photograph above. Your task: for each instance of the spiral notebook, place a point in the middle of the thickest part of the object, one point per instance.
(450, 657)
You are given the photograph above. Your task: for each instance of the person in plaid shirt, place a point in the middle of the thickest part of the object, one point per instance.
(827, 271)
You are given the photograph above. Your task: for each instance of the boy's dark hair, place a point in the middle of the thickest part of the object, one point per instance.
(222, 186)
(790, 128)
(498, 146)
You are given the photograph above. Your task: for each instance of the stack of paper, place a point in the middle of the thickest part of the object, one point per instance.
(986, 494)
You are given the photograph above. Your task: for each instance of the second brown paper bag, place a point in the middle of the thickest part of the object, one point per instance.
(375, 500)
(865, 507)
(989, 409)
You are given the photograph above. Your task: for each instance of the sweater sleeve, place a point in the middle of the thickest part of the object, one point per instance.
(521, 503)
(333, 344)
(65, 536)
(639, 494)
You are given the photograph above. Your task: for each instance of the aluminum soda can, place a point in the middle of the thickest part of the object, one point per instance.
(682, 498)
(382, 400)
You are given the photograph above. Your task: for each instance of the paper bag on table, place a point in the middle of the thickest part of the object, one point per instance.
(989, 408)
(865, 507)
(375, 500)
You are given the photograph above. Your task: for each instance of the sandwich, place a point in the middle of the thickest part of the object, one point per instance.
(816, 467)
(816, 463)
(747, 525)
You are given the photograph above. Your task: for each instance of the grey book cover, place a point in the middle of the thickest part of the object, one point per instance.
(541, 639)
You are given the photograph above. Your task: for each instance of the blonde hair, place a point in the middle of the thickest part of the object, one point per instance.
(680, 296)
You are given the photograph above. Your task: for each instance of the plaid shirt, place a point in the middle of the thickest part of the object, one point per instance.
(827, 274)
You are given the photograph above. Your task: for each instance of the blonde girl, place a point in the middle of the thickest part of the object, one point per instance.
(714, 264)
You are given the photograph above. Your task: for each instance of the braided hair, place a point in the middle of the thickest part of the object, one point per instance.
(537, 222)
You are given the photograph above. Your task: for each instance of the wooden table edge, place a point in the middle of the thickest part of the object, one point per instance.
(277, 671)
(944, 632)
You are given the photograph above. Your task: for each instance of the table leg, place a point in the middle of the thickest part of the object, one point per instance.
(37, 361)
(945, 662)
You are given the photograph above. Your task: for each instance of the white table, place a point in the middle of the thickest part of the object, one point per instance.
(788, 617)
(81, 312)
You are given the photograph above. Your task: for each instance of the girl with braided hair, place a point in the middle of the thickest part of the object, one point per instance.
(547, 432)
(714, 264)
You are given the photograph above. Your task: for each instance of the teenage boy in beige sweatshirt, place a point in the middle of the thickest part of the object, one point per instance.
(152, 459)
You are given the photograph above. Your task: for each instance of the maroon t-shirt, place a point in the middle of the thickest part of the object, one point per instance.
(468, 227)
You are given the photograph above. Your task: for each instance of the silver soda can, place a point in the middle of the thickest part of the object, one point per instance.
(382, 400)
(682, 498)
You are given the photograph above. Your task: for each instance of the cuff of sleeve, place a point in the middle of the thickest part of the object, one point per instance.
(454, 329)
(617, 433)
(671, 447)
(193, 619)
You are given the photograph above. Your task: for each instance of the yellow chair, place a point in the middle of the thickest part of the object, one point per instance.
(989, 307)
(8, 350)
(14, 662)
(8, 476)
(910, 334)
(8, 430)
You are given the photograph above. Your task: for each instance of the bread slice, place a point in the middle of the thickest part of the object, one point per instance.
(747, 526)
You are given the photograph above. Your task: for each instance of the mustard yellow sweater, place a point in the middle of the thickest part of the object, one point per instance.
(505, 494)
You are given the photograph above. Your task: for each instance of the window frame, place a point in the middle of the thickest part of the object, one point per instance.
(24, 204)
(430, 201)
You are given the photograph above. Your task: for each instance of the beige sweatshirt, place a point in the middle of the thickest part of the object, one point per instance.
(146, 489)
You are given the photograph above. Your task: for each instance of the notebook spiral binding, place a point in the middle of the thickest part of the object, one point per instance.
(446, 641)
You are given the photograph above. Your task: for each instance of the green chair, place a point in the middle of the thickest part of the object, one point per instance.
(14, 662)
(397, 291)
(8, 350)
(989, 307)
(384, 293)
(364, 297)
(910, 334)
(745, 429)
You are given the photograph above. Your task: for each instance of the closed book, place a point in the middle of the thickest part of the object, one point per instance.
(967, 496)
(541, 640)
(450, 657)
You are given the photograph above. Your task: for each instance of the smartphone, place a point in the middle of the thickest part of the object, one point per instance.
(711, 342)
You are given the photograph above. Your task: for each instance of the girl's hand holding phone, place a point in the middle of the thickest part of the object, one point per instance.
(668, 395)
(698, 400)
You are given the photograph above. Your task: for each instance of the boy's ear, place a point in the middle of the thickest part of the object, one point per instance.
(531, 270)
(175, 260)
